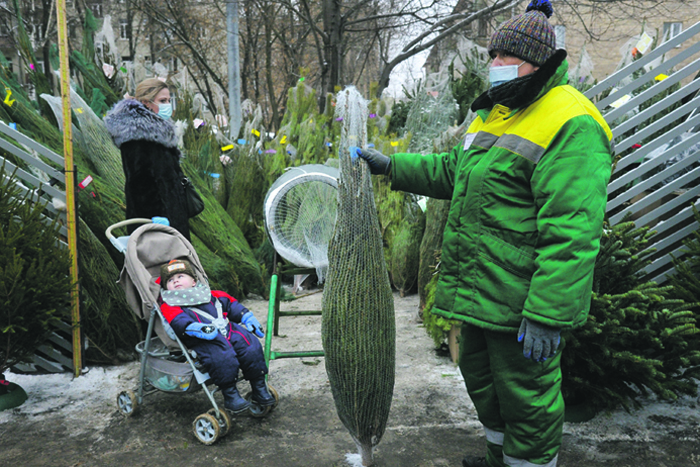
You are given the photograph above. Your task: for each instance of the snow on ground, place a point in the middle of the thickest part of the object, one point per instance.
(88, 399)
(654, 420)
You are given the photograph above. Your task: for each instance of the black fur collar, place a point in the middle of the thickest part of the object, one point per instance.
(130, 120)
(522, 91)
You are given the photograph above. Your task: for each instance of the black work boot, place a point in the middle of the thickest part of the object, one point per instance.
(474, 461)
(260, 393)
(233, 400)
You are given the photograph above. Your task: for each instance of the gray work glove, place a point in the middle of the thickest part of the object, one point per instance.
(539, 341)
(379, 164)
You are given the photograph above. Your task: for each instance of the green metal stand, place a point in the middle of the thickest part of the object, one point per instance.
(273, 315)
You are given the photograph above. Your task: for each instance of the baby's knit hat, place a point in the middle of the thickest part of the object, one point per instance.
(528, 36)
(176, 266)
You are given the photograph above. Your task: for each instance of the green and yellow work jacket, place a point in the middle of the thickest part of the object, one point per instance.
(528, 194)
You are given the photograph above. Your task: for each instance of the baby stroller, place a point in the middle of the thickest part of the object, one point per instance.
(166, 364)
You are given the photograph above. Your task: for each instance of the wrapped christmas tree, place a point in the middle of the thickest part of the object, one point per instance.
(358, 329)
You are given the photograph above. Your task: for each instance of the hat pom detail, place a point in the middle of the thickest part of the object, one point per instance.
(541, 5)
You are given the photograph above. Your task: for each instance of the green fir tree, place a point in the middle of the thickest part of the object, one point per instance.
(686, 281)
(636, 340)
(34, 280)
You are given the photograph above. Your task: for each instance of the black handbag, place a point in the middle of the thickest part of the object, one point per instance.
(195, 205)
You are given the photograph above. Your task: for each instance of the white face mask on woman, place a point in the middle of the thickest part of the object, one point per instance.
(502, 74)
(165, 111)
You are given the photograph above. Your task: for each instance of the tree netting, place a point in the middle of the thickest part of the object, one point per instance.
(106, 50)
(358, 327)
(405, 254)
(433, 110)
(435, 219)
(246, 183)
(582, 73)
(94, 140)
(94, 78)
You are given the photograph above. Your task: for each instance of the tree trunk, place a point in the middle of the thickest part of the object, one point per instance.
(330, 68)
(332, 25)
(384, 79)
(246, 52)
(268, 73)
(45, 32)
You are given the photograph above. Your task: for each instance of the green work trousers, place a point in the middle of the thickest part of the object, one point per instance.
(518, 401)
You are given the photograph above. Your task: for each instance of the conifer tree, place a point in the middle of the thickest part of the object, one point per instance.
(34, 280)
(636, 340)
(686, 281)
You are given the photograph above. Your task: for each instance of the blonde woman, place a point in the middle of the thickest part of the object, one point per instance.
(141, 128)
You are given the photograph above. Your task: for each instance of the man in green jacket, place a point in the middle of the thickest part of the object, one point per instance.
(528, 194)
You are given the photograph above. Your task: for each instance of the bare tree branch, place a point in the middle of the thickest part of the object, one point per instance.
(416, 45)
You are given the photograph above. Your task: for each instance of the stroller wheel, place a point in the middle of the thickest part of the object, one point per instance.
(274, 393)
(206, 428)
(256, 410)
(224, 421)
(127, 403)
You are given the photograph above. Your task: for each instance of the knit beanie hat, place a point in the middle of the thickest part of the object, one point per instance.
(528, 36)
(176, 266)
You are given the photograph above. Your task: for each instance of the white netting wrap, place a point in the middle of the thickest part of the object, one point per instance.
(106, 50)
(358, 308)
(92, 137)
(434, 108)
(583, 71)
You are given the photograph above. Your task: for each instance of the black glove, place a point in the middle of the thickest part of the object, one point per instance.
(379, 164)
(539, 341)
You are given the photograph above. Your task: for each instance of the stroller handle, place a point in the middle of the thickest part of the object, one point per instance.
(135, 220)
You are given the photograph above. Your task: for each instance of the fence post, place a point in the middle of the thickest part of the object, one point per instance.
(71, 215)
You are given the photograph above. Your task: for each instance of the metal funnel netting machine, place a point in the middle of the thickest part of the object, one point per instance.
(300, 211)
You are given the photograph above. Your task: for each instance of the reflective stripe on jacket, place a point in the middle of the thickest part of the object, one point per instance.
(528, 191)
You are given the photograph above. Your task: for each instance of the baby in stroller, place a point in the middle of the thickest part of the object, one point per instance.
(219, 329)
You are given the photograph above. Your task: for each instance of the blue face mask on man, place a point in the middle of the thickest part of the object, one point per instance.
(502, 74)
(165, 111)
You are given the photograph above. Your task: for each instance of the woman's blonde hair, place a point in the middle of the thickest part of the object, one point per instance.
(148, 89)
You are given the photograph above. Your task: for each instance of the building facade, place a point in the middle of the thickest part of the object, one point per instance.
(610, 34)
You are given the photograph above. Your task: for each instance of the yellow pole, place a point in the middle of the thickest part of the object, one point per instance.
(71, 215)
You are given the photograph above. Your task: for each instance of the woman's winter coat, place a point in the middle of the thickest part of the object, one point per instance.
(151, 162)
(528, 191)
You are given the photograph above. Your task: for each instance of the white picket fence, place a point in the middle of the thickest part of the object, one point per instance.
(656, 180)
